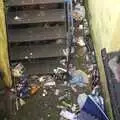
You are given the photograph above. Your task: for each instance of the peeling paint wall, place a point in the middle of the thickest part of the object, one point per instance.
(104, 21)
(4, 62)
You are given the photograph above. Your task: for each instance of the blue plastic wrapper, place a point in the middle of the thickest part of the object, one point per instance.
(24, 92)
(85, 116)
(79, 78)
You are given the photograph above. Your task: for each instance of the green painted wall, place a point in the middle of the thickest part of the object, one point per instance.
(4, 63)
(104, 21)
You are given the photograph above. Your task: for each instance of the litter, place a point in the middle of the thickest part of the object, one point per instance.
(66, 104)
(67, 0)
(74, 107)
(48, 115)
(87, 58)
(50, 83)
(47, 80)
(79, 12)
(22, 102)
(89, 105)
(24, 92)
(18, 70)
(73, 88)
(26, 57)
(86, 31)
(82, 115)
(67, 51)
(85, 23)
(42, 79)
(65, 83)
(17, 18)
(62, 89)
(61, 107)
(62, 97)
(43, 94)
(59, 70)
(80, 41)
(63, 62)
(81, 100)
(90, 68)
(81, 27)
(22, 87)
(57, 92)
(31, 53)
(34, 77)
(59, 41)
(19, 103)
(45, 91)
(96, 96)
(79, 78)
(68, 115)
(34, 89)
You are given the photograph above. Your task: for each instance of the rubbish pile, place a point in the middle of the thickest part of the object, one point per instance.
(84, 42)
(93, 104)
(88, 107)
(21, 86)
(67, 84)
(83, 107)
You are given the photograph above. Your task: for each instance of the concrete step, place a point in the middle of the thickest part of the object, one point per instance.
(41, 66)
(36, 33)
(31, 2)
(50, 50)
(35, 16)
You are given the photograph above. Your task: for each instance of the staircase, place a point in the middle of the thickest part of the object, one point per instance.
(37, 34)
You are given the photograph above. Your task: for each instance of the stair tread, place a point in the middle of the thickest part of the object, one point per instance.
(36, 34)
(35, 16)
(37, 51)
(31, 2)
(42, 66)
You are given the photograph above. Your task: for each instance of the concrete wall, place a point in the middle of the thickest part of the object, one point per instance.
(105, 16)
(4, 63)
(104, 20)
